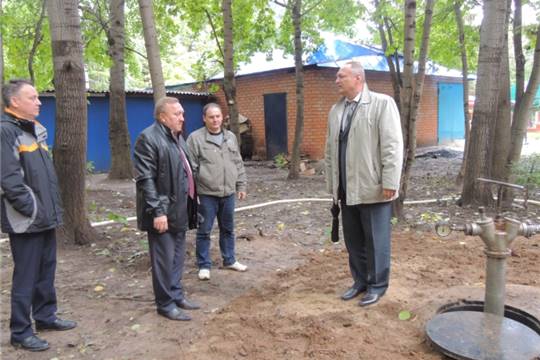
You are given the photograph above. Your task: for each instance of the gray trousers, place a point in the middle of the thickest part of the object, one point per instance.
(167, 252)
(367, 232)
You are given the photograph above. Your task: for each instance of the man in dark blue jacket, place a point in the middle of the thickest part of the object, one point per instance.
(30, 212)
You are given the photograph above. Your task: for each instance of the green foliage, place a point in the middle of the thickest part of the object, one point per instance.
(337, 16)
(429, 217)
(394, 221)
(280, 160)
(90, 167)
(527, 171)
(405, 315)
(117, 218)
(444, 40)
(18, 24)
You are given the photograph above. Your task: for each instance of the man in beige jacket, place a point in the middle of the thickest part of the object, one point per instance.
(220, 176)
(363, 159)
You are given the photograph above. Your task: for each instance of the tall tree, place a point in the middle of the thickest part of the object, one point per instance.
(304, 22)
(121, 164)
(488, 88)
(296, 14)
(407, 85)
(229, 83)
(69, 150)
(38, 38)
(465, 74)
(246, 27)
(152, 48)
(524, 102)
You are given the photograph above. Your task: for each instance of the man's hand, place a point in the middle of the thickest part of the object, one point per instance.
(160, 223)
(388, 194)
(242, 195)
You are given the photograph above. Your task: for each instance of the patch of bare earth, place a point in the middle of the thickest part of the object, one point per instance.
(287, 305)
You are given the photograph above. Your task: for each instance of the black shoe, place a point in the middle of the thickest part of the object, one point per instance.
(174, 314)
(58, 325)
(31, 343)
(369, 298)
(353, 292)
(187, 305)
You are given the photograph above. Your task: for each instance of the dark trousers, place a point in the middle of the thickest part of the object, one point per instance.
(32, 289)
(167, 252)
(367, 231)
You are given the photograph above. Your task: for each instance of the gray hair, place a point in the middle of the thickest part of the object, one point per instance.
(210, 106)
(12, 88)
(160, 105)
(357, 68)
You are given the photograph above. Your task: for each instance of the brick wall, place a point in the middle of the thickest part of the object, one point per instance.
(320, 93)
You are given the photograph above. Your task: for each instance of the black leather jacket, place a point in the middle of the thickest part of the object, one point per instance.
(162, 182)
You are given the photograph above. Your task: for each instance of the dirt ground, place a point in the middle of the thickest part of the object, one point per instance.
(287, 305)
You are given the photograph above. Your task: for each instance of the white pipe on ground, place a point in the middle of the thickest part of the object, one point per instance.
(285, 201)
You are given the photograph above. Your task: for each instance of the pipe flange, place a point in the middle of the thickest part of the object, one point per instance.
(498, 254)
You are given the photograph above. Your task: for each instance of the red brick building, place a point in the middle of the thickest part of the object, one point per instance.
(320, 94)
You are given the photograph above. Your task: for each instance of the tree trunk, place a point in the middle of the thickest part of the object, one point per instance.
(523, 108)
(465, 80)
(500, 136)
(1, 63)
(229, 83)
(492, 36)
(121, 163)
(410, 146)
(152, 48)
(518, 51)
(38, 37)
(299, 74)
(385, 31)
(69, 150)
(409, 33)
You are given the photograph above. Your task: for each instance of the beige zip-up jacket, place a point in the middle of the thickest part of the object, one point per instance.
(374, 154)
(218, 170)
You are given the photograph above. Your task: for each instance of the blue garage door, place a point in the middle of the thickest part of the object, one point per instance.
(451, 116)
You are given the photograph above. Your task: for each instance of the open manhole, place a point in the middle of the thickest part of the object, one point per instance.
(463, 331)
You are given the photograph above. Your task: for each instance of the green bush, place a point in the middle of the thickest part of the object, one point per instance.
(280, 160)
(527, 171)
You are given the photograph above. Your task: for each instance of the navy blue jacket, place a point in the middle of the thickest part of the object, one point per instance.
(30, 198)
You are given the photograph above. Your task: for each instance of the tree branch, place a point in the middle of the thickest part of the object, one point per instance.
(311, 8)
(285, 5)
(136, 52)
(214, 32)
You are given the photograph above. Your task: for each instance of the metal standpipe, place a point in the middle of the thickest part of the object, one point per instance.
(465, 334)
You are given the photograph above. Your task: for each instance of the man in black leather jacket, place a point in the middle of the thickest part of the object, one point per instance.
(30, 211)
(166, 204)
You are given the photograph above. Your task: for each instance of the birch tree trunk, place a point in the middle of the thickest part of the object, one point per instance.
(415, 93)
(69, 150)
(121, 163)
(465, 80)
(299, 76)
(492, 36)
(152, 48)
(523, 108)
(229, 82)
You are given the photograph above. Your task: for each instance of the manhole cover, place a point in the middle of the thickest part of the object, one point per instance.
(478, 335)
